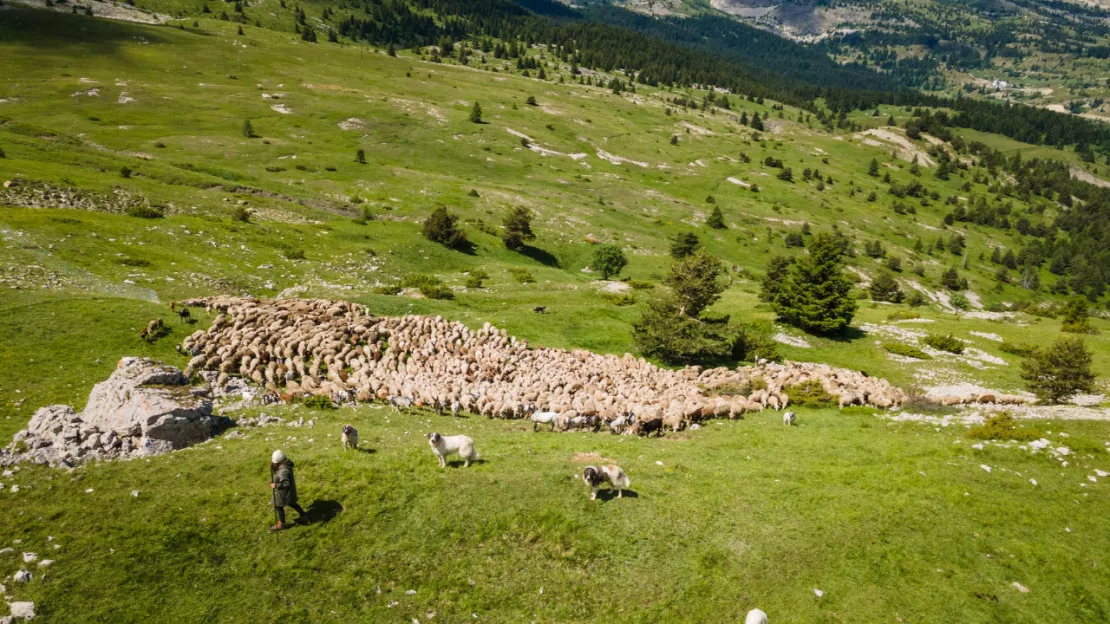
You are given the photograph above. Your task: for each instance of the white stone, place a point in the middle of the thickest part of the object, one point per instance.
(985, 467)
(23, 610)
(22, 576)
(1021, 588)
(30, 557)
(818, 592)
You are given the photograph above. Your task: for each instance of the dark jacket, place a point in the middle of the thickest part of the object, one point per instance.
(285, 494)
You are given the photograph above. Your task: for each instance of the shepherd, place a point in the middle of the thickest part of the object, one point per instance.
(284, 487)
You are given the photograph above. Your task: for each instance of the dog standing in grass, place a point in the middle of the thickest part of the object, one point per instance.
(443, 446)
(594, 476)
(350, 437)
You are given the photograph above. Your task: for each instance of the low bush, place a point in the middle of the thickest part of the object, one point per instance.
(946, 342)
(1017, 348)
(1003, 427)
(143, 211)
(522, 276)
(293, 254)
(392, 289)
(640, 285)
(241, 214)
(619, 299)
(133, 262)
(902, 315)
(476, 278)
(429, 285)
(898, 348)
(319, 402)
(809, 394)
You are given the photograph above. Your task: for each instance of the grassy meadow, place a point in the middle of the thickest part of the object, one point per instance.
(893, 522)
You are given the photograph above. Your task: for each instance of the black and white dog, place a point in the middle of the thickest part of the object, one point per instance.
(613, 475)
(350, 437)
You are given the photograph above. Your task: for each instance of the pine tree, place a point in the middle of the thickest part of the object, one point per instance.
(684, 244)
(360, 156)
(695, 280)
(518, 228)
(757, 123)
(873, 168)
(476, 113)
(816, 295)
(716, 219)
(885, 288)
(248, 129)
(1059, 371)
(440, 228)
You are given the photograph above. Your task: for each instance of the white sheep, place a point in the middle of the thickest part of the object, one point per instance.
(756, 616)
(544, 418)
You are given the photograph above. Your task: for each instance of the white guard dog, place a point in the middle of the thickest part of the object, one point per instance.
(443, 446)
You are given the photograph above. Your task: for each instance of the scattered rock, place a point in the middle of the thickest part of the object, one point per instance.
(23, 576)
(1021, 588)
(23, 610)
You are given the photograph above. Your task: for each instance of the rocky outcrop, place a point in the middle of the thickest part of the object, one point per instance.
(144, 408)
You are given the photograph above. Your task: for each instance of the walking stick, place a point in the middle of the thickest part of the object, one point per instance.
(273, 495)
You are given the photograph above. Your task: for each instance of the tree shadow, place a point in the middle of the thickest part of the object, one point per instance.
(539, 255)
(322, 511)
(848, 334)
(608, 495)
(466, 247)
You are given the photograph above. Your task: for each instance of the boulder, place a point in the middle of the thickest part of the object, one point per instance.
(153, 399)
(143, 408)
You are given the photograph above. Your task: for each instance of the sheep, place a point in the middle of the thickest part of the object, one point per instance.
(618, 424)
(544, 418)
(445, 446)
(756, 616)
(399, 404)
(299, 348)
(674, 421)
(788, 418)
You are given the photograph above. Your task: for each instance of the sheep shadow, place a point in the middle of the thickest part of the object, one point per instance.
(608, 495)
(322, 511)
(365, 450)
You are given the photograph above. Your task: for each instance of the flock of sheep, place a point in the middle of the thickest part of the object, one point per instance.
(300, 348)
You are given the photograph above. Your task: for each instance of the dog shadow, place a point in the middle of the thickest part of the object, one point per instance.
(462, 464)
(365, 450)
(608, 495)
(322, 511)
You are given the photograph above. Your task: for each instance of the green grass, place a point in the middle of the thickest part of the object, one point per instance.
(738, 515)
(837, 503)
